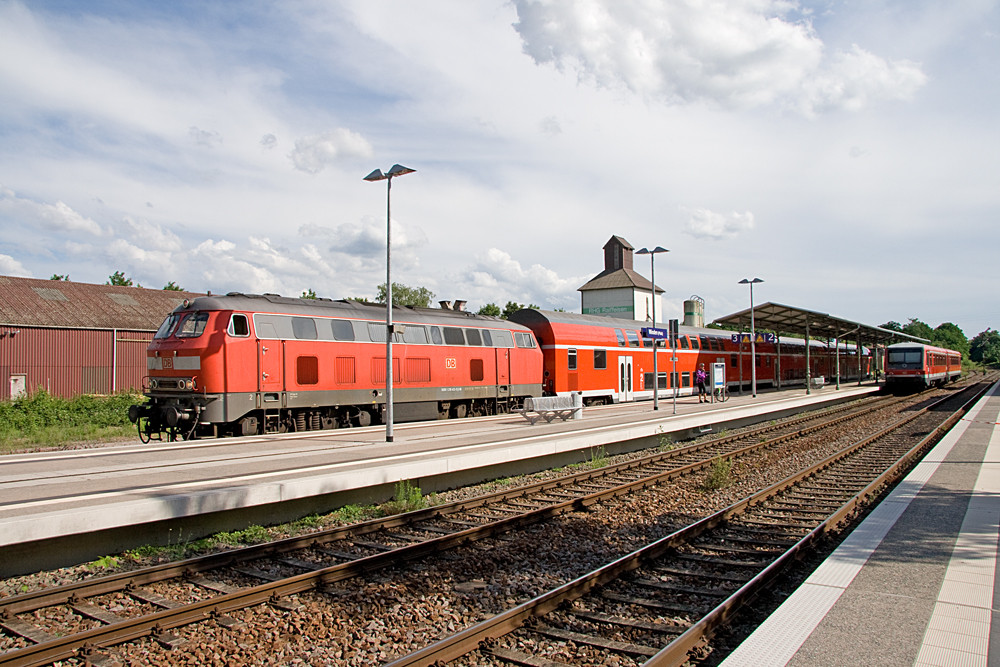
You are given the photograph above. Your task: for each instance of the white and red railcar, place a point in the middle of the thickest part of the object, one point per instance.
(609, 360)
(245, 364)
(918, 366)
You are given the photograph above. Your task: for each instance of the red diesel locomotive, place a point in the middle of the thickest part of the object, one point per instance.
(245, 364)
(609, 361)
(918, 366)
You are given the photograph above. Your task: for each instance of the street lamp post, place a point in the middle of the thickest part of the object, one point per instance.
(652, 275)
(377, 175)
(753, 336)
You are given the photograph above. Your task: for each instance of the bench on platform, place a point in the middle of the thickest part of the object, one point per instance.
(550, 407)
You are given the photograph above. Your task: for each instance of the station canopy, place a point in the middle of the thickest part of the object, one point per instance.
(801, 322)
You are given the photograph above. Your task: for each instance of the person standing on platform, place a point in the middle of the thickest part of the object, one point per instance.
(700, 380)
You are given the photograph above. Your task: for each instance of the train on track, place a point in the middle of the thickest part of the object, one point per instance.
(245, 364)
(912, 366)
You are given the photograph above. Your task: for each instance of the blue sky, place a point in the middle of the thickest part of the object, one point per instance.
(846, 152)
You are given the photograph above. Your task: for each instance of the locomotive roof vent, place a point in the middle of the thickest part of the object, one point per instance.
(458, 305)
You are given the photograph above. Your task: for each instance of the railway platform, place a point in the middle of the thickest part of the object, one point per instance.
(91, 502)
(914, 583)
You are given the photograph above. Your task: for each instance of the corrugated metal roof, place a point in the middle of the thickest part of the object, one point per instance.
(56, 303)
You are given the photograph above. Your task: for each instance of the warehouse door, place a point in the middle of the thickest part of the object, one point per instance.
(625, 379)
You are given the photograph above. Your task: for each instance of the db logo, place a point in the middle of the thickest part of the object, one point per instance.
(449, 362)
(168, 363)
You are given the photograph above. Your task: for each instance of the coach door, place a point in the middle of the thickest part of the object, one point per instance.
(625, 379)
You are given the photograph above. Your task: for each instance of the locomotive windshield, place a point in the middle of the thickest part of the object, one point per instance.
(192, 326)
(168, 326)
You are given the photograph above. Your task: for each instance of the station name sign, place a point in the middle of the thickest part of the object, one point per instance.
(758, 338)
(650, 332)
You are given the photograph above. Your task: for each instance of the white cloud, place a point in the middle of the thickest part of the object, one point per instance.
(58, 217)
(312, 154)
(11, 267)
(705, 224)
(735, 54)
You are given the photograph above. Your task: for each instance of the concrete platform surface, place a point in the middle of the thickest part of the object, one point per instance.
(58, 494)
(914, 584)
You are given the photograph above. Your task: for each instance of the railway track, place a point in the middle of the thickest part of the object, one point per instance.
(661, 604)
(78, 619)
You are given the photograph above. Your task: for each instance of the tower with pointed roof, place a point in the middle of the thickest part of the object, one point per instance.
(618, 291)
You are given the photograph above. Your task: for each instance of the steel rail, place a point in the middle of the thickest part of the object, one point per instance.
(161, 621)
(489, 630)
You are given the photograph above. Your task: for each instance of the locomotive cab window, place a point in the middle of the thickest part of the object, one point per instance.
(503, 338)
(193, 325)
(168, 325)
(239, 325)
(524, 339)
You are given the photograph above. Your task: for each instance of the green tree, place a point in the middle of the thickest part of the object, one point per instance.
(892, 326)
(57, 276)
(173, 287)
(490, 309)
(403, 295)
(985, 348)
(308, 294)
(950, 336)
(918, 329)
(118, 278)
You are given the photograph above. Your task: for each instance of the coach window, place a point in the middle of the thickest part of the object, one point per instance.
(239, 325)
(683, 341)
(474, 337)
(633, 338)
(621, 338)
(193, 325)
(307, 370)
(342, 329)
(600, 360)
(476, 370)
(304, 328)
(733, 361)
(571, 359)
(454, 336)
(686, 379)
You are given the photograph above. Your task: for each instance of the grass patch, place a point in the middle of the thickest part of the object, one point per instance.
(407, 499)
(41, 419)
(598, 457)
(719, 475)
